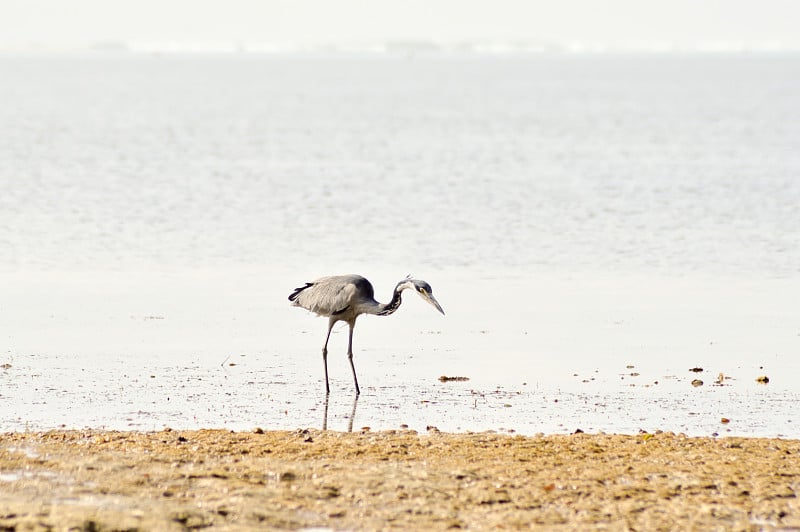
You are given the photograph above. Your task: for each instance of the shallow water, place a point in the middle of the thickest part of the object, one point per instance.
(231, 352)
(575, 215)
(672, 164)
(244, 397)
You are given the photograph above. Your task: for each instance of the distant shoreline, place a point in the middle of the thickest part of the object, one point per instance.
(392, 49)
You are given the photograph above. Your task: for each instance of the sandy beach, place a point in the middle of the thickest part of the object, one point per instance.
(178, 480)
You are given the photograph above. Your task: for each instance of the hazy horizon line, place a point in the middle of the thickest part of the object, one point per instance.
(395, 47)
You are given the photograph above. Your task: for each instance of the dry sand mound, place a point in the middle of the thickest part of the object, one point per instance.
(97, 480)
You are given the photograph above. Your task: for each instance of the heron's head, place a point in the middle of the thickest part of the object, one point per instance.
(422, 288)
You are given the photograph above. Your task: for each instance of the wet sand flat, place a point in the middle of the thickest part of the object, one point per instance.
(174, 480)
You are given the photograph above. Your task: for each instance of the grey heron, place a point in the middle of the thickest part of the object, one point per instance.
(345, 298)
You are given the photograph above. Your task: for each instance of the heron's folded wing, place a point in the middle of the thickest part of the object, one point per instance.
(328, 296)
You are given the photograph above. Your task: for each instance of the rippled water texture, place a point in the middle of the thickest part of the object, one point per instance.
(594, 227)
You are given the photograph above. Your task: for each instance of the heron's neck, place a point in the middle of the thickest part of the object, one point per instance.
(384, 309)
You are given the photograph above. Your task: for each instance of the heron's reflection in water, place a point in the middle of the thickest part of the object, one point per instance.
(352, 414)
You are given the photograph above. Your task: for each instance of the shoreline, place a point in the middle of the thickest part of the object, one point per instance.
(174, 480)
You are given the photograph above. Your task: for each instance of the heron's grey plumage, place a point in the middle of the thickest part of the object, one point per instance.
(334, 295)
(344, 298)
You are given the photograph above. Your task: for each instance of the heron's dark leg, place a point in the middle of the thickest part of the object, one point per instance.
(350, 356)
(325, 354)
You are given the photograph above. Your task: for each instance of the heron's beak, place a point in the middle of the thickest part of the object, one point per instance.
(432, 300)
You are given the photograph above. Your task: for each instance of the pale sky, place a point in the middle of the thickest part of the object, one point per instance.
(752, 23)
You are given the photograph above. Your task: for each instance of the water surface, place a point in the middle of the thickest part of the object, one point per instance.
(594, 226)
